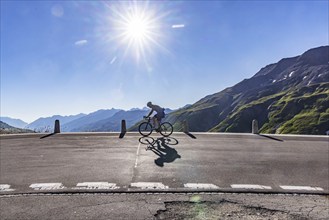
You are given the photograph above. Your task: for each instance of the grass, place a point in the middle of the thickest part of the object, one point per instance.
(300, 113)
(297, 111)
(303, 123)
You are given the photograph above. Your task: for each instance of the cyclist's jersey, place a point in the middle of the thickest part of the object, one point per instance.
(159, 112)
(158, 109)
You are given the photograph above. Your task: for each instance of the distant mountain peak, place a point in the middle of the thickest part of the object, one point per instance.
(139, 109)
(18, 123)
(316, 56)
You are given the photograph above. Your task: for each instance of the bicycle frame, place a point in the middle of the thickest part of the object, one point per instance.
(149, 120)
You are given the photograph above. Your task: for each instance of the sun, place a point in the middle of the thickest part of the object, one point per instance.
(137, 29)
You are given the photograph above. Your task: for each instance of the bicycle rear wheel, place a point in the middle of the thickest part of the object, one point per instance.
(145, 129)
(166, 129)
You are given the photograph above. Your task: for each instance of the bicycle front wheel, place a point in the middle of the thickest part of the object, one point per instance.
(145, 129)
(166, 129)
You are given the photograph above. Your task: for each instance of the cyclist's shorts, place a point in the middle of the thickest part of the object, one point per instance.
(159, 116)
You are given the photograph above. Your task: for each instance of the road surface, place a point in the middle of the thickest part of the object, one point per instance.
(223, 162)
(102, 176)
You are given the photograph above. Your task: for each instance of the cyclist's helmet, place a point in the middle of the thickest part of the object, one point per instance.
(149, 104)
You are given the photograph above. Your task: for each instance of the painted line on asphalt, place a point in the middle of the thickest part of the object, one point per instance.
(154, 185)
(137, 155)
(149, 185)
(47, 186)
(5, 188)
(249, 186)
(96, 185)
(309, 188)
(200, 186)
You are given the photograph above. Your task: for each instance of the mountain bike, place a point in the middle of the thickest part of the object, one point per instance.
(146, 128)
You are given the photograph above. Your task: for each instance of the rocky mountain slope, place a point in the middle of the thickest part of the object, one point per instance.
(291, 96)
(7, 129)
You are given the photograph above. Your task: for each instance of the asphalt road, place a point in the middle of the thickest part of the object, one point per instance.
(196, 162)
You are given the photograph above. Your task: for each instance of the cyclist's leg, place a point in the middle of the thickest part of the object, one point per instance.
(155, 121)
(160, 116)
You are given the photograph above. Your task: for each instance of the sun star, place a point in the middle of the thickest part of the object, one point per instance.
(137, 29)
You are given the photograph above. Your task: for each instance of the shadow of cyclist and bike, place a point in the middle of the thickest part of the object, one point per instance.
(162, 147)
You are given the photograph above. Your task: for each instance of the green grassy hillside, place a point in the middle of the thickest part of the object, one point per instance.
(295, 111)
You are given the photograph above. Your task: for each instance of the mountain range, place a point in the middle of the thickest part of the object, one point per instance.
(79, 123)
(101, 120)
(290, 96)
(114, 123)
(47, 124)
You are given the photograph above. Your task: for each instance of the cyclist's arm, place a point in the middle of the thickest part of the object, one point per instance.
(150, 113)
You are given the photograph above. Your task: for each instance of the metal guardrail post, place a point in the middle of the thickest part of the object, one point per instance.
(123, 126)
(254, 128)
(57, 127)
(123, 129)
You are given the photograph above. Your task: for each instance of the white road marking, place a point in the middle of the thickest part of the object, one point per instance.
(310, 188)
(152, 185)
(149, 185)
(137, 154)
(200, 186)
(5, 188)
(96, 185)
(249, 186)
(47, 186)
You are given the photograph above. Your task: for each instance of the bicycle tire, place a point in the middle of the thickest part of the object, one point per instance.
(145, 129)
(170, 141)
(146, 140)
(166, 129)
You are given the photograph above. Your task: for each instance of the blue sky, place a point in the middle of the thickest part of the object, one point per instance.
(70, 57)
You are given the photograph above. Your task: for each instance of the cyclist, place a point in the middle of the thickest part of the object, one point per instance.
(160, 114)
